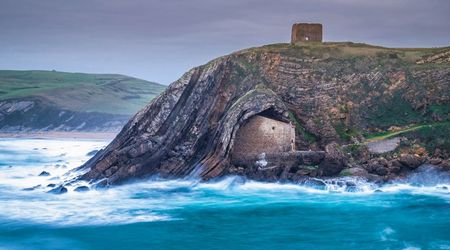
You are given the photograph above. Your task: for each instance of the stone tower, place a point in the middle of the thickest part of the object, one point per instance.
(306, 32)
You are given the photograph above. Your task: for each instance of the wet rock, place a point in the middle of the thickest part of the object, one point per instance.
(81, 189)
(339, 183)
(304, 172)
(331, 166)
(351, 186)
(435, 161)
(381, 170)
(410, 161)
(354, 171)
(333, 163)
(315, 183)
(44, 173)
(395, 163)
(375, 178)
(31, 188)
(395, 166)
(110, 171)
(92, 153)
(101, 183)
(445, 165)
(58, 190)
(51, 185)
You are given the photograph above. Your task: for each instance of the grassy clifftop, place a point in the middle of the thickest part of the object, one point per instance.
(345, 91)
(103, 93)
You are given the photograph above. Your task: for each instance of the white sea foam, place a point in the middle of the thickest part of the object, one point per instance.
(152, 199)
(28, 158)
(386, 234)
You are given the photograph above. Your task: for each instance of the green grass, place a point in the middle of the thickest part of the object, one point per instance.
(106, 93)
(345, 173)
(344, 132)
(309, 137)
(389, 134)
(348, 50)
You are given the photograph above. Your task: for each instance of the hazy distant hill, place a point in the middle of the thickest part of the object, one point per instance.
(51, 100)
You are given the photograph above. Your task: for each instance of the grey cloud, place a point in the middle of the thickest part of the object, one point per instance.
(159, 40)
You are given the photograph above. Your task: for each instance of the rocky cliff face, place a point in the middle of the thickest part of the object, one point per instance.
(38, 115)
(333, 92)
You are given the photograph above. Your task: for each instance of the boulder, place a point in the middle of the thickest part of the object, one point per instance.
(395, 167)
(58, 190)
(354, 171)
(351, 187)
(44, 173)
(31, 188)
(81, 189)
(334, 161)
(381, 170)
(410, 161)
(375, 178)
(315, 183)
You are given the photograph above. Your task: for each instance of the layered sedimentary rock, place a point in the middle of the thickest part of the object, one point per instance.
(333, 93)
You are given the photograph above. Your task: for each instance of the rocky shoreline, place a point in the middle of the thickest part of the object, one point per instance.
(335, 163)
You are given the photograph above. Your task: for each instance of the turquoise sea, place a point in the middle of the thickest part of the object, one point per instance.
(231, 213)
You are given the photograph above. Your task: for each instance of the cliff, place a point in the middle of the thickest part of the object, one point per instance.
(339, 96)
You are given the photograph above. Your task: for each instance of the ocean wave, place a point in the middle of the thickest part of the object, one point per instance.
(157, 199)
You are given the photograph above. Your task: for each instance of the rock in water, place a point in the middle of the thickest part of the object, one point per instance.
(44, 173)
(58, 190)
(31, 188)
(330, 98)
(92, 153)
(81, 189)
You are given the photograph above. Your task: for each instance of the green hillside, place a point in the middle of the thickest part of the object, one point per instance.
(103, 93)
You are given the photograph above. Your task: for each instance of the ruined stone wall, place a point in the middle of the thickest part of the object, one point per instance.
(263, 135)
(306, 32)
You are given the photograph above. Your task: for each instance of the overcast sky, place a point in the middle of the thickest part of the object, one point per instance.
(158, 40)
